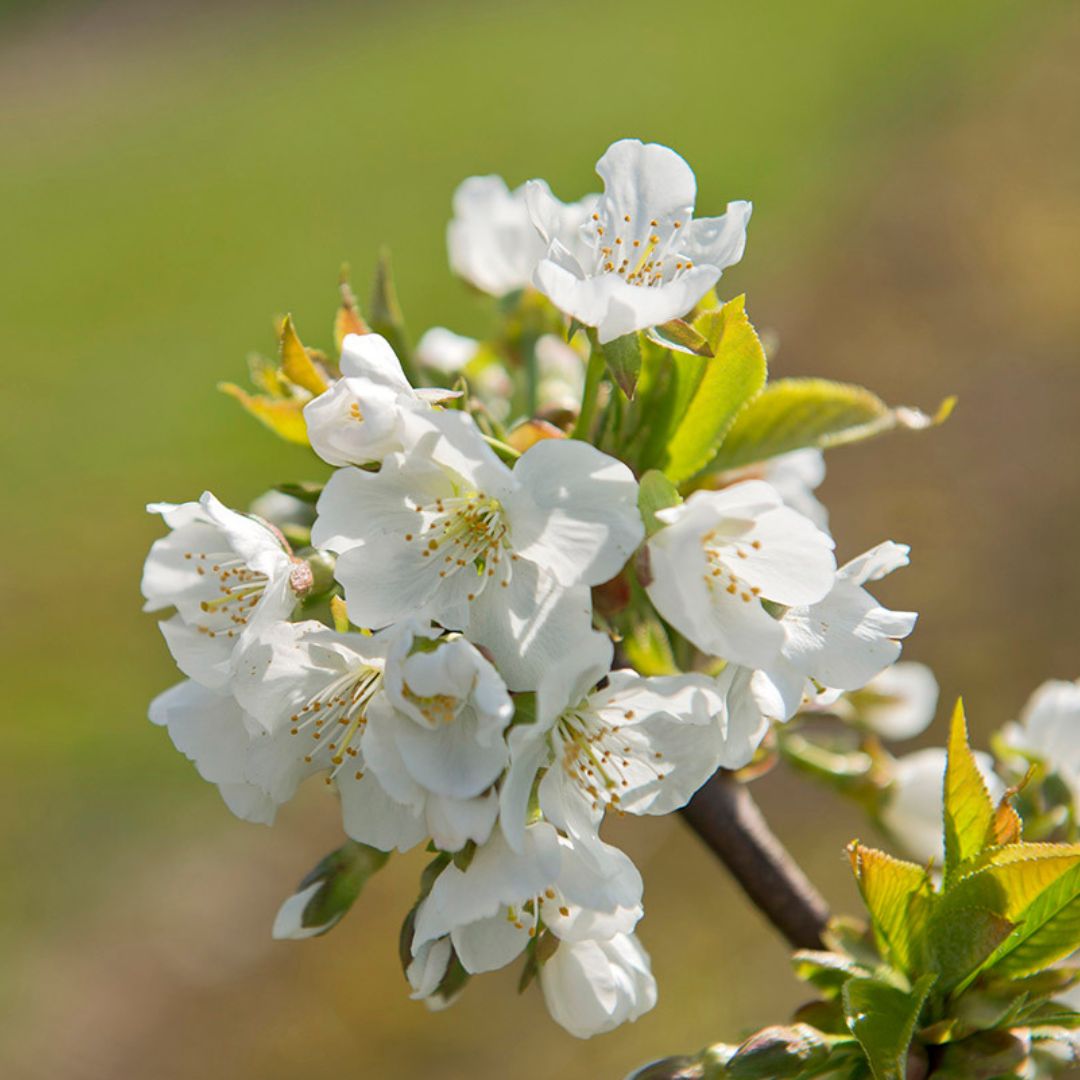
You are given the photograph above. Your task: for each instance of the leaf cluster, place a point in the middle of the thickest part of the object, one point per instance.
(956, 974)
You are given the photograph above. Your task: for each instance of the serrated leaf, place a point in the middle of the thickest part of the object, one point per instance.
(623, 358)
(283, 416)
(729, 379)
(899, 896)
(655, 492)
(969, 810)
(883, 1019)
(1048, 930)
(790, 414)
(1007, 826)
(296, 364)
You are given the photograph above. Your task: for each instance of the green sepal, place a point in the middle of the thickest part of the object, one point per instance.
(341, 876)
(623, 358)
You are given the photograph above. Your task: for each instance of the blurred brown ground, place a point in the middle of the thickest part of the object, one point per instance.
(962, 244)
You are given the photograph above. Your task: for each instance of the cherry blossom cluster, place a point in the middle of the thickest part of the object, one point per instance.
(436, 653)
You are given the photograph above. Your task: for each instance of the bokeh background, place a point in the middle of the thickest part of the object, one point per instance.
(173, 174)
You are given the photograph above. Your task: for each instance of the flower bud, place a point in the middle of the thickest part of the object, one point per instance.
(327, 893)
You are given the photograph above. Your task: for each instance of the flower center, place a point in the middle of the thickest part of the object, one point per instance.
(530, 914)
(465, 532)
(239, 589)
(438, 710)
(722, 555)
(334, 718)
(642, 253)
(599, 758)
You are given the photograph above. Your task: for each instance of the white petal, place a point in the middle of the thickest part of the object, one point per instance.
(594, 986)
(496, 877)
(445, 351)
(900, 702)
(370, 357)
(718, 241)
(634, 307)
(647, 182)
(489, 944)
(587, 659)
(288, 924)
(529, 625)
(429, 968)
(492, 242)
(371, 817)
(575, 511)
(529, 752)
(452, 823)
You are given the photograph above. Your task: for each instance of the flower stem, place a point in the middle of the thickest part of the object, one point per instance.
(593, 374)
(504, 450)
(725, 816)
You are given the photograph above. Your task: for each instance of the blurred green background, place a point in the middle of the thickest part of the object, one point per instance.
(172, 175)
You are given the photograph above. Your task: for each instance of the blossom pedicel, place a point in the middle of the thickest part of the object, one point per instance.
(557, 591)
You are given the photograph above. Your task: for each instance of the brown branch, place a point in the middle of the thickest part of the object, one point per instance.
(725, 816)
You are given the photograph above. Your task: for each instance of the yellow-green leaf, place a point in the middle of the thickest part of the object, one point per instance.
(296, 365)
(883, 1019)
(899, 896)
(623, 358)
(791, 414)
(283, 416)
(728, 380)
(969, 810)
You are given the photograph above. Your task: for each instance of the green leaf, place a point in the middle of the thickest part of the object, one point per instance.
(305, 490)
(341, 876)
(655, 492)
(1048, 930)
(790, 414)
(623, 359)
(729, 379)
(883, 1019)
(899, 896)
(969, 810)
(828, 971)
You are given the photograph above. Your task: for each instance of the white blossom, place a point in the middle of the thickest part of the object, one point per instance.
(444, 351)
(310, 689)
(289, 921)
(915, 802)
(226, 574)
(435, 734)
(446, 531)
(897, 704)
(796, 476)
(358, 419)
(492, 241)
(593, 986)
(1049, 731)
(491, 910)
(213, 732)
(840, 643)
(638, 745)
(723, 552)
(640, 259)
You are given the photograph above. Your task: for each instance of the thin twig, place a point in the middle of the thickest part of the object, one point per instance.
(725, 816)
